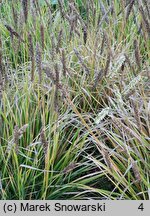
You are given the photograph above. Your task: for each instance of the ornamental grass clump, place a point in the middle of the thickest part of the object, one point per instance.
(74, 100)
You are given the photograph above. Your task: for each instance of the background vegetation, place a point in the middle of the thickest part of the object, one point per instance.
(74, 99)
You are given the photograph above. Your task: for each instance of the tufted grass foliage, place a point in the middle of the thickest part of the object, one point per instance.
(74, 100)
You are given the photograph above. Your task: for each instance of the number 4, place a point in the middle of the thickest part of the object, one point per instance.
(141, 207)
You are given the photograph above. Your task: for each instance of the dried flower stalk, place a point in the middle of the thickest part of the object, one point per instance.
(32, 56)
(49, 73)
(16, 138)
(85, 35)
(146, 22)
(39, 62)
(25, 9)
(107, 158)
(42, 36)
(17, 135)
(98, 77)
(107, 65)
(13, 32)
(57, 87)
(136, 171)
(137, 54)
(129, 9)
(44, 141)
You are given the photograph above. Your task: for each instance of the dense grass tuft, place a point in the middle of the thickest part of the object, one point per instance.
(74, 99)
